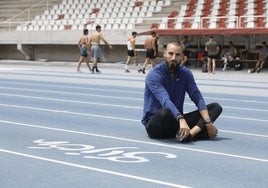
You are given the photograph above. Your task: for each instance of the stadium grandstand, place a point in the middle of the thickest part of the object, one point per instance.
(50, 29)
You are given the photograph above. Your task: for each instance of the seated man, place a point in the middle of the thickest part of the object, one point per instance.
(165, 88)
(230, 55)
(263, 57)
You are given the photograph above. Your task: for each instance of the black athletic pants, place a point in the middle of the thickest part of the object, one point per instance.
(164, 125)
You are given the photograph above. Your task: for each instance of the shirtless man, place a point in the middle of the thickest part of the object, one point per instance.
(94, 42)
(150, 50)
(83, 45)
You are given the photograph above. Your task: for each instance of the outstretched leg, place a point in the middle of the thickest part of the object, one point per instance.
(79, 64)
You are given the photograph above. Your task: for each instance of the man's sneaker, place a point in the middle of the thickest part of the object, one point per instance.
(97, 70)
(259, 70)
(139, 70)
(253, 70)
(143, 70)
(127, 71)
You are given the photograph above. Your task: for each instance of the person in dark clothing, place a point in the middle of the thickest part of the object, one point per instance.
(212, 48)
(165, 89)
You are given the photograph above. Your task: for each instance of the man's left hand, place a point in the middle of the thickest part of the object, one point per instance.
(212, 130)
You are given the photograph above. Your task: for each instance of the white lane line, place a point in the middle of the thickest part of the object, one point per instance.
(112, 97)
(74, 87)
(94, 95)
(14, 69)
(243, 133)
(72, 101)
(136, 141)
(122, 91)
(112, 117)
(94, 169)
(71, 93)
(237, 108)
(237, 100)
(69, 112)
(242, 118)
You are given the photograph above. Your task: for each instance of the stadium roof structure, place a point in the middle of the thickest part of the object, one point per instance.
(199, 32)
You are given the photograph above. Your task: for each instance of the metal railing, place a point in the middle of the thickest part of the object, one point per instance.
(229, 22)
(28, 11)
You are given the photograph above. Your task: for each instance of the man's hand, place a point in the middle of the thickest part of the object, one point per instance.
(184, 129)
(212, 130)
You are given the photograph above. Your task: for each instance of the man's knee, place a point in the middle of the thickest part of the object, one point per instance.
(215, 106)
(218, 107)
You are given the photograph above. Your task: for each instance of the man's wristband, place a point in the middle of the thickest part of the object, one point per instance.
(180, 117)
(207, 121)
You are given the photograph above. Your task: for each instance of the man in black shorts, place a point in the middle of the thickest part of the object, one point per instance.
(212, 50)
(150, 46)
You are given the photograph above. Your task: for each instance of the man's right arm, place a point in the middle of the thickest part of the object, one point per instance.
(103, 40)
(154, 83)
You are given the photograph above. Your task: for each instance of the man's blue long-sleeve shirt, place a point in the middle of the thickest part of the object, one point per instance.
(162, 92)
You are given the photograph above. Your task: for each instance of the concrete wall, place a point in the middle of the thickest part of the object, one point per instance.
(62, 45)
(66, 53)
(72, 53)
(9, 51)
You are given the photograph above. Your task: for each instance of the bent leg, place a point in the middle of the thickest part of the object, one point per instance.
(214, 110)
(194, 119)
(162, 125)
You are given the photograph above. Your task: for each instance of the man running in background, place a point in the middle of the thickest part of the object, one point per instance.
(94, 41)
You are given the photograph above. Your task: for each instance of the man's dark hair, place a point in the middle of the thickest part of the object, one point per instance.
(85, 31)
(265, 44)
(98, 27)
(153, 33)
(134, 33)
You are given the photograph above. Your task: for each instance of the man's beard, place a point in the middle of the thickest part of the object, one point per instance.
(172, 65)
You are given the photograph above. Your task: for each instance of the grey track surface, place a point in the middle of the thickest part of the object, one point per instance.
(60, 128)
